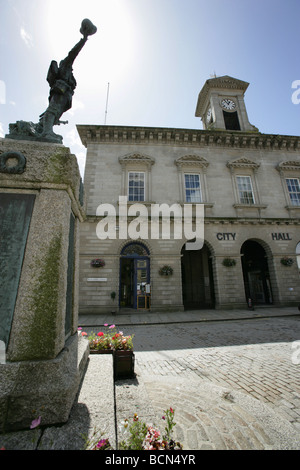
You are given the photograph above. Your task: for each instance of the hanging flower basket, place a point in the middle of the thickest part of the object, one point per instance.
(228, 262)
(166, 271)
(287, 261)
(97, 263)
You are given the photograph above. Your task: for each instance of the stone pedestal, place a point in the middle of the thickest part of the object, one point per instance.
(41, 206)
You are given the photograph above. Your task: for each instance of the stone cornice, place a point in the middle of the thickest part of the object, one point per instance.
(287, 222)
(91, 134)
(289, 166)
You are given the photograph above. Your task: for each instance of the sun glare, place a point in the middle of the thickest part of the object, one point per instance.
(111, 50)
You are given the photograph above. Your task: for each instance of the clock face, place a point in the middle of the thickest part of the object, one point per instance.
(228, 104)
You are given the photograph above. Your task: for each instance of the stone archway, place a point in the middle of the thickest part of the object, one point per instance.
(197, 278)
(256, 273)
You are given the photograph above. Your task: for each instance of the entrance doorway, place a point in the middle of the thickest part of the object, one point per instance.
(197, 279)
(135, 289)
(256, 273)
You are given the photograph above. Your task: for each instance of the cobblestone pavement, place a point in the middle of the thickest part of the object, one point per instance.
(234, 385)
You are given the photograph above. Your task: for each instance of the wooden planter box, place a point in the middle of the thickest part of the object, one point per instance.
(101, 351)
(123, 362)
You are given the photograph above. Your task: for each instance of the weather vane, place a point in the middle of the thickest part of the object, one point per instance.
(62, 85)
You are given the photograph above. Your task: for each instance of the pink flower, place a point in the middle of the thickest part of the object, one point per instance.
(83, 333)
(112, 326)
(105, 324)
(35, 423)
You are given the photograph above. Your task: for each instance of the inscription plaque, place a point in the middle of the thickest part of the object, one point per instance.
(15, 216)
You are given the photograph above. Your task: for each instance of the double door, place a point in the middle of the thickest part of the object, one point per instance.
(135, 283)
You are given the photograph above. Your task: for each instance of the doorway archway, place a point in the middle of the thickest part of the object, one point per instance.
(256, 273)
(197, 279)
(135, 276)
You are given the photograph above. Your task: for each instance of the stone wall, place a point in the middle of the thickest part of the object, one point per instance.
(39, 325)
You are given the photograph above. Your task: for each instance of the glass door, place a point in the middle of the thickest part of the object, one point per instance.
(135, 289)
(142, 284)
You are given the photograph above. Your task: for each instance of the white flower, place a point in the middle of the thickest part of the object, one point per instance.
(124, 426)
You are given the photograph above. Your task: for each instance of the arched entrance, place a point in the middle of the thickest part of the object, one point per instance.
(256, 273)
(197, 279)
(135, 276)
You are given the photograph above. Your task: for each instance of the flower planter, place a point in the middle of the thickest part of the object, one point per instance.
(123, 362)
(101, 351)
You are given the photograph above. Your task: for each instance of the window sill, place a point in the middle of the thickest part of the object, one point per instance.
(250, 206)
(206, 204)
(290, 208)
(130, 203)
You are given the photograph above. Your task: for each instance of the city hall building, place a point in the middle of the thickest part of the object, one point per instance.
(248, 184)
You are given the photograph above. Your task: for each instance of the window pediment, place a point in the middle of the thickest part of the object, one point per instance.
(192, 160)
(137, 159)
(288, 166)
(243, 163)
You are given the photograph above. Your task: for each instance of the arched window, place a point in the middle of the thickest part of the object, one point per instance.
(135, 249)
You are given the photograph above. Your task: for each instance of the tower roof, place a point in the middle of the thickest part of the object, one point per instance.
(225, 82)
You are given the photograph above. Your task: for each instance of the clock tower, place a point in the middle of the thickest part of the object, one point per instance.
(221, 105)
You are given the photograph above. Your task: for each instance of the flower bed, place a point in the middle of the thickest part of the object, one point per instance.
(109, 340)
(135, 434)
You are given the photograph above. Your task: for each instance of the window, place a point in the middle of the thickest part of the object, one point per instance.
(245, 190)
(136, 186)
(192, 188)
(231, 121)
(135, 249)
(293, 186)
(136, 177)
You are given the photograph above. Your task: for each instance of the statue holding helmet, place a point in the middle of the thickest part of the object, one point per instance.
(62, 85)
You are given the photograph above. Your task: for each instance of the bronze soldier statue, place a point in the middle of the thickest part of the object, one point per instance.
(62, 85)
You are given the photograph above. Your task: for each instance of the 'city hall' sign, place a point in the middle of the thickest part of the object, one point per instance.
(281, 236)
(228, 236)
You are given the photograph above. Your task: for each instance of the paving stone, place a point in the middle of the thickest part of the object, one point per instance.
(212, 385)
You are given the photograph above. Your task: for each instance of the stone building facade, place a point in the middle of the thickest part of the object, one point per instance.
(248, 184)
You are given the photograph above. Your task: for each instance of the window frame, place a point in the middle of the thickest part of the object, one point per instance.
(297, 193)
(198, 175)
(196, 165)
(289, 169)
(137, 188)
(137, 163)
(243, 200)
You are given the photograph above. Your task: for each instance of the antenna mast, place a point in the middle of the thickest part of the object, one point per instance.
(106, 104)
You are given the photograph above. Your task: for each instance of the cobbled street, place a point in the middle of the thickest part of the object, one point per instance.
(233, 384)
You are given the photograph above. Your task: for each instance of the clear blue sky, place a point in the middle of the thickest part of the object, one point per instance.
(156, 55)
